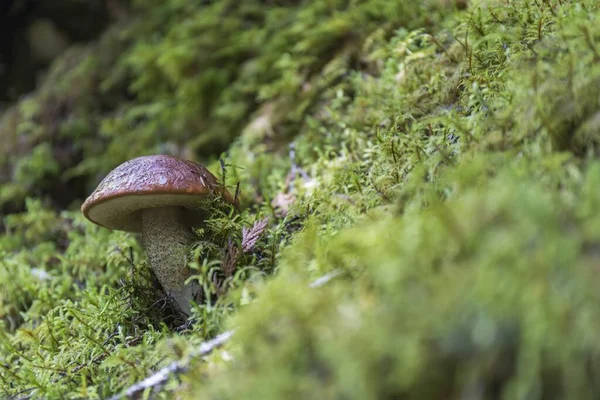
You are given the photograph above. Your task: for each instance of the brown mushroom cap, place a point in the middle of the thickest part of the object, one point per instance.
(148, 182)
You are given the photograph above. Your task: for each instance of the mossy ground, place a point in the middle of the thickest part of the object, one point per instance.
(441, 156)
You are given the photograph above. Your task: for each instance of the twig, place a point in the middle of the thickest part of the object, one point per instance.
(162, 375)
(325, 278)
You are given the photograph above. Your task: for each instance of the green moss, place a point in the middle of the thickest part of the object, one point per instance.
(442, 159)
(479, 277)
(484, 292)
(184, 79)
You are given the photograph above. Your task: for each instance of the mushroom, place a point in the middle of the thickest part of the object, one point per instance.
(158, 196)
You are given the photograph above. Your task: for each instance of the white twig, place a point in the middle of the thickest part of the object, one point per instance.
(162, 375)
(325, 278)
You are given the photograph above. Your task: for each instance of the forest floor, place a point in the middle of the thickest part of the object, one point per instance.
(427, 172)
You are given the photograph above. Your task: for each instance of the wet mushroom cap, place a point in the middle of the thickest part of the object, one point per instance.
(149, 182)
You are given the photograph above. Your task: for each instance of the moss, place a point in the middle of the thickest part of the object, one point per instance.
(441, 158)
(470, 269)
(184, 79)
(79, 304)
(433, 303)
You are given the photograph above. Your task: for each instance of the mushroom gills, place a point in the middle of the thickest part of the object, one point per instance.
(167, 238)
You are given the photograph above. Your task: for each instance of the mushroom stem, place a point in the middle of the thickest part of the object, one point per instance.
(167, 239)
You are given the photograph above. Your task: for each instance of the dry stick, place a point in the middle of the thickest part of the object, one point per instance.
(325, 278)
(162, 375)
